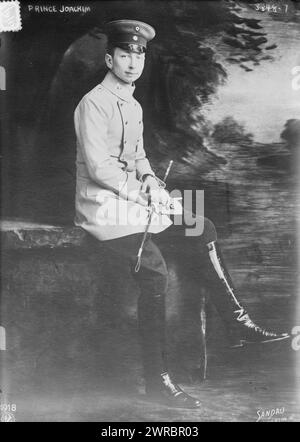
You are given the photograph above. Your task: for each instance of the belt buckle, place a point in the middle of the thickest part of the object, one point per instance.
(129, 168)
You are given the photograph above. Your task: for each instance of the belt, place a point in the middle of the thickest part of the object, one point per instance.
(129, 166)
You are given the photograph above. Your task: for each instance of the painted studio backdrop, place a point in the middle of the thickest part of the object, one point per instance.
(221, 98)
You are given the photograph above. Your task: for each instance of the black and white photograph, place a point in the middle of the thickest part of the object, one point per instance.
(150, 213)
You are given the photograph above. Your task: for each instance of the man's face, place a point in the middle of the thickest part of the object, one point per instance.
(127, 66)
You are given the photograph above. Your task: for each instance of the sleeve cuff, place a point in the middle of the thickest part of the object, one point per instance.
(161, 183)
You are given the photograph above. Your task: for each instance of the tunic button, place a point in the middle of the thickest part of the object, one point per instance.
(140, 122)
(126, 122)
(125, 142)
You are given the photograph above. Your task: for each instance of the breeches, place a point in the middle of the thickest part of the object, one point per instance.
(153, 274)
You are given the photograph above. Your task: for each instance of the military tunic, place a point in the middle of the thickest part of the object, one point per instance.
(110, 163)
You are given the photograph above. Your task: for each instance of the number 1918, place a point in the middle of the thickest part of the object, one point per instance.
(8, 407)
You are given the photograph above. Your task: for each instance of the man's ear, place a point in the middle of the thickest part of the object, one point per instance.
(108, 61)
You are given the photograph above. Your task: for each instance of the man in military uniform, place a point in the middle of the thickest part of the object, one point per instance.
(115, 184)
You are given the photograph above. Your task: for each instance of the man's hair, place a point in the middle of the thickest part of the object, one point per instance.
(110, 49)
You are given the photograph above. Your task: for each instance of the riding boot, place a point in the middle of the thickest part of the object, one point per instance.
(164, 389)
(240, 328)
(158, 384)
(151, 324)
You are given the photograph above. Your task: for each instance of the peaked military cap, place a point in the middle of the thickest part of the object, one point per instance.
(129, 32)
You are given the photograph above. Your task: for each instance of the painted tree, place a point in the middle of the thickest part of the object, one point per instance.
(186, 64)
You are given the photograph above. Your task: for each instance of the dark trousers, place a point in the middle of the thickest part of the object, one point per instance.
(152, 279)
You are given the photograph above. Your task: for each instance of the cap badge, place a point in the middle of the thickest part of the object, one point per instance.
(137, 28)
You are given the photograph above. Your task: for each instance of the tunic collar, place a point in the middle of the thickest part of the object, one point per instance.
(122, 91)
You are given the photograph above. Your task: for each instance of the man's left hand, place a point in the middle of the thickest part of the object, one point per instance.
(157, 194)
